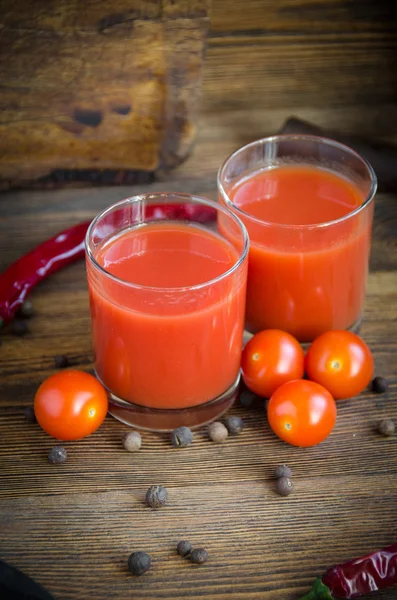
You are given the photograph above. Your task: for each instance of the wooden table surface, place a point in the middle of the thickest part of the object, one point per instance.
(73, 526)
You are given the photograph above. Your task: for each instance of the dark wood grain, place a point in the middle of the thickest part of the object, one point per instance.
(73, 526)
(300, 53)
(302, 15)
(113, 87)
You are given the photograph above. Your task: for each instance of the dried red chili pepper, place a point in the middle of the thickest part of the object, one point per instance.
(67, 247)
(357, 577)
(50, 256)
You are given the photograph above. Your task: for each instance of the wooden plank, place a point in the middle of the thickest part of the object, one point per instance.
(99, 463)
(76, 205)
(269, 547)
(275, 71)
(311, 16)
(98, 89)
(92, 17)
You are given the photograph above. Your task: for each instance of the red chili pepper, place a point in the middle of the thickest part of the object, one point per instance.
(357, 577)
(67, 247)
(50, 256)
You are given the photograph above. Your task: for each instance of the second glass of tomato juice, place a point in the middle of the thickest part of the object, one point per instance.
(167, 283)
(307, 203)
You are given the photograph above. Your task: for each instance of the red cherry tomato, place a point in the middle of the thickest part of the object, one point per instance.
(70, 405)
(341, 362)
(271, 358)
(302, 413)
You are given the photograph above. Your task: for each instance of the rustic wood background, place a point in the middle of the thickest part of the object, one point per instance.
(72, 527)
(94, 86)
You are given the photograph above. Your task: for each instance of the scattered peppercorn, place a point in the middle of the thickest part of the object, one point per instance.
(57, 455)
(61, 361)
(380, 385)
(26, 310)
(184, 548)
(19, 327)
(132, 441)
(156, 496)
(386, 427)
(217, 432)
(284, 486)
(139, 563)
(234, 425)
(283, 471)
(199, 556)
(30, 414)
(181, 437)
(247, 398)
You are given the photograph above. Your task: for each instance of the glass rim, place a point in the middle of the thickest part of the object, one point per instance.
(295, 137)
(183, 196)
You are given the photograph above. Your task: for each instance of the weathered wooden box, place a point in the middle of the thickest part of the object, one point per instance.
(101, 91)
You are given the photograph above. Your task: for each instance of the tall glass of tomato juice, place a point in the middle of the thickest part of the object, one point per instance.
(167, 285)
(307, 203)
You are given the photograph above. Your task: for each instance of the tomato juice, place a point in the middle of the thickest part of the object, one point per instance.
(167, 304)
(308, 258)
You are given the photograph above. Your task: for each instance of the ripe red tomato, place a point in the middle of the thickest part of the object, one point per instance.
(302, 413)
(341, 362)
(271, 358)
(70, 405)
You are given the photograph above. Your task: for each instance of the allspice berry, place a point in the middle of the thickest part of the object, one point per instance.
(19, 327)
(247, 398)
(217, 432)
(30, 415)
(199, 556)
(283, 471)
(156, 496)
(234, 425)
(184, 548)
(26, 310)
(181, 437)
(139, 563)
(379, 385)
(61, 361)
(386, 427)
(284, 486)
(57, 455)
(132, 441)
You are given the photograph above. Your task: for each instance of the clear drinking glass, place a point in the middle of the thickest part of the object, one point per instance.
(167, 283)
(303, 278)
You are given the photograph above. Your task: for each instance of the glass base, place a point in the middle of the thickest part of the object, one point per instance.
(153, 419)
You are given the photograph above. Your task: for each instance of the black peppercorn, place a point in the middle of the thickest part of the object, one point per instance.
(283, 471)
(139, 563)
(199, 556)
(184, 548)
(30, 414)
(234, 425)
(19, 327)
(26, 310)
(284, 486)
(57, 455)
(380, 385)
(61, 361)
(181, 437)
(156, 496)
(386, 427)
